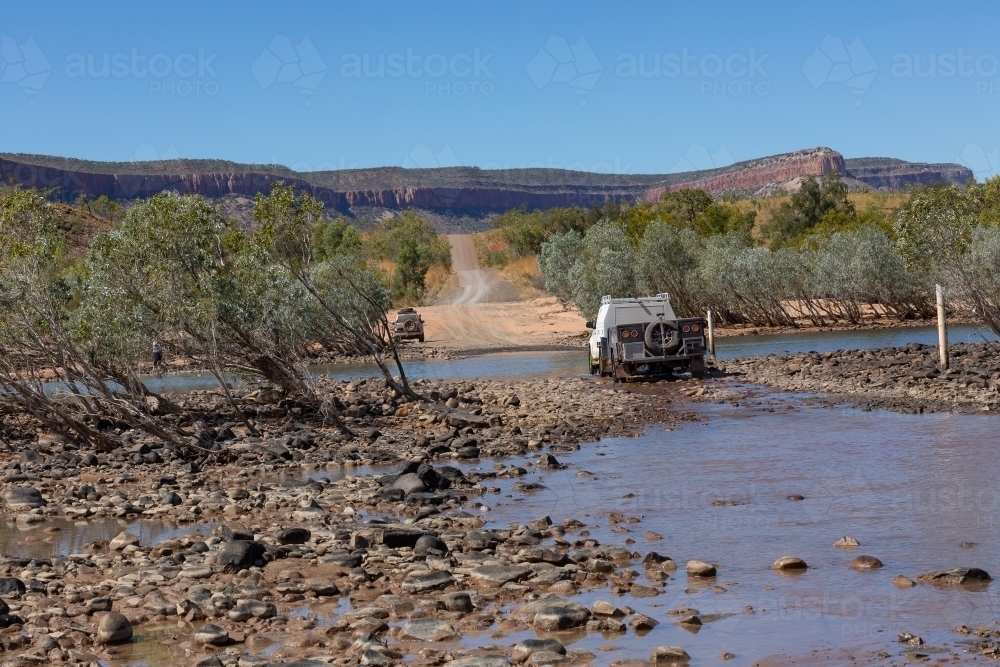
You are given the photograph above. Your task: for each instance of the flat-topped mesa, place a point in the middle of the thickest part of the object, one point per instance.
(471, 191)
(755, 175)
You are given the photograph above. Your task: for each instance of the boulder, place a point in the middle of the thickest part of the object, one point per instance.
(500, 574)
(12, 586)
(211, 634)
(409, 483)
(239, 555)
(427, 630)
(847, 542)
(428, 542)
(667, 655)
(122, 540)
(427, 581)
(789, 564)
(322, 586)
(24, 497)
(460, 602)
(697, 568)
(526, 648)
(865, 563)
(903, 582)
(293, 536)
(556, 614)
(960, 576)
(114, 628)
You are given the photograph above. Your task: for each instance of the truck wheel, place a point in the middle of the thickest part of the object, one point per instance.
(697, 367)
(410, 326)
(590, 364)
(421, 338)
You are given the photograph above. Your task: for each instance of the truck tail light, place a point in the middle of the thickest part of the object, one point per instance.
(687, 328)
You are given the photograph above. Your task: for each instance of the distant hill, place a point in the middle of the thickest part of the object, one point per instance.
(455, 198)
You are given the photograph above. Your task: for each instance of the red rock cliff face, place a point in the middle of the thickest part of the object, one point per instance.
(761, 173)
(129, 186)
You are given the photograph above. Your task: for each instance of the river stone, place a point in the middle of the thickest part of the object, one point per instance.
(691, 619)
(540, 658)
(605, 608)
(526, 648)
(560, 616)
(501, 574)
(642, 622)
(480, 661)
(468, 452)
(428, 630)
(262, 608)
(789, 564)
(24, 497)
(526, 613)
(865, 563)
(666, 655)
(461, 602)
(239, 555)
(903, 582)
(426, 542)
(322, 586)
(114, 628)
(696, 568)
(409, 483)
(11, 586)
(293, 536)
(240, 613)
(212, 634)
(846, 542)
(372, 658)
(95, 605)
(427, 581)
(957, 577)
(477, 540)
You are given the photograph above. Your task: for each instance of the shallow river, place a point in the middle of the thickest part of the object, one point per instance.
(910, 488)
(574, 362)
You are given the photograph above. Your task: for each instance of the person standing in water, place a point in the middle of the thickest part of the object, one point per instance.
(157, 354)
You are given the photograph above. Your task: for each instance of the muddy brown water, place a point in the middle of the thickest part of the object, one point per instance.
(910, 488)
(552, 364)
(62, 538)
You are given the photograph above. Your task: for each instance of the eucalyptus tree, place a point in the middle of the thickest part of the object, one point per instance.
(178, 271)
(44, 371)
(286, 221)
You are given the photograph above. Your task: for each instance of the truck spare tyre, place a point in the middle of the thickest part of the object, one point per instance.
(409, 325)
(662, 337)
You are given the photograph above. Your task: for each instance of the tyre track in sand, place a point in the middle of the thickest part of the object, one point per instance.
(470, 320)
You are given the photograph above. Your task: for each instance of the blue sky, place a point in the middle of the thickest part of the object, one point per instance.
(632, 87)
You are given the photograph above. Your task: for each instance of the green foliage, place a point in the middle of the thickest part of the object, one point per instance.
(415, 247)
(556, 259)
(816, 202)
(334, 237)
(177, 271)
(722, 219)
(685, 205)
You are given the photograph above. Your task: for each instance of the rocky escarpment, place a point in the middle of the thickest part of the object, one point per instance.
(751, 177)
(892, 174)
(457, 190)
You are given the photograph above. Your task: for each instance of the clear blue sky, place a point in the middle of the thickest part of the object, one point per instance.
(628, 87)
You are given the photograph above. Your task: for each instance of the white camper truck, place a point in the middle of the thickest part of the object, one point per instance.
(642, 338)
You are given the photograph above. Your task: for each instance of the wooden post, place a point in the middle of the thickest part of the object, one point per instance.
(942, 328)
(711, 334)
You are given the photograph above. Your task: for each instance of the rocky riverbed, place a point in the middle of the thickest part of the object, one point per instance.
(328, 565)
(904, 379)
(290, 557)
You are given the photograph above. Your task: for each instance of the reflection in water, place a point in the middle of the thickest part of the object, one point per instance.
(910, 488)
(61, 538)
(528, 365)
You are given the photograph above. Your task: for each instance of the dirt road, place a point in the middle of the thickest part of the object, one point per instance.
(471, 322)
